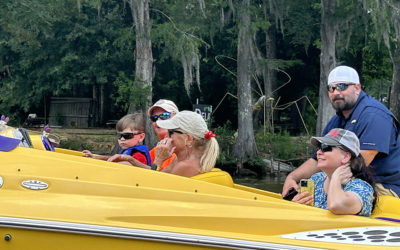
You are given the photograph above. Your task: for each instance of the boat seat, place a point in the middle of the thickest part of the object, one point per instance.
(216, 176)
(387, 208)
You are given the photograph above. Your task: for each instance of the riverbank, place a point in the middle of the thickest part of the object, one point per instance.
(103, 140)
(97, 140)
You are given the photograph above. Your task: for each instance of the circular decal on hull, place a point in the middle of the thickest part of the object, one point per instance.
(34, 185)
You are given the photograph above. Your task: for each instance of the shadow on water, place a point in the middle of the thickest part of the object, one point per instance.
(273, 183)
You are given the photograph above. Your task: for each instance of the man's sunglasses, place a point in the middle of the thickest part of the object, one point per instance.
(339, 87)
(163, 116)
(127, 136)
(171, 131)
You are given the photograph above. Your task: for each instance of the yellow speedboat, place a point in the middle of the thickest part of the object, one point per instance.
(58, 200)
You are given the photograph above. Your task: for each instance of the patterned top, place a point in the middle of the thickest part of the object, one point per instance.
(360, 188)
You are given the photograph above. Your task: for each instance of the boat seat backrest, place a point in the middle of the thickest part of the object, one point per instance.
(216, 176)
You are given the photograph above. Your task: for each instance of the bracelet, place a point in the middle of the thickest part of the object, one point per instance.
(154, 166)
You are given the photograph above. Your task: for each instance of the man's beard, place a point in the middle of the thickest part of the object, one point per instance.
(341, 106)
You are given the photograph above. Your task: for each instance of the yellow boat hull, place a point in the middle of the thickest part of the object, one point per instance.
(54, 200)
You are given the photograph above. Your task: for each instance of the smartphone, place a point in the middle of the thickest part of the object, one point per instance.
(290, 194)
(307, 185)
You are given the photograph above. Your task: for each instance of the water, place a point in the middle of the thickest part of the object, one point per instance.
(269, 183)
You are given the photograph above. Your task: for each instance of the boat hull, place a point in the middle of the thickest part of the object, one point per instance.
(56, 198)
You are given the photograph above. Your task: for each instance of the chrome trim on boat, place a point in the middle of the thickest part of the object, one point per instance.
(159, 236)
(34, 184)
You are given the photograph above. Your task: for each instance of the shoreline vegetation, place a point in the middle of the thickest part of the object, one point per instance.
(284, 151)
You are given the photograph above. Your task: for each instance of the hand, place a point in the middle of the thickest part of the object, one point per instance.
(119, 157)
(289, 183)
(87, 153)
(343, 174)
(164, 150)
(303, 198)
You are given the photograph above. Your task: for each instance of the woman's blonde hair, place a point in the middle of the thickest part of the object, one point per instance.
(210, 153)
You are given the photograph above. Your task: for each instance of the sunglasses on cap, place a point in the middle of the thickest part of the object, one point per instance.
(338, 87)
(171, 131)
(127, 136)
(162, 116)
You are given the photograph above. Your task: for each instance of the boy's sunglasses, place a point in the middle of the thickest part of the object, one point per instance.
(171, 131)
(339, 87)
(325, 148)
(163, 116)
(127, 136)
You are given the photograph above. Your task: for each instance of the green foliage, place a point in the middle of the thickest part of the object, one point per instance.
(282, 146)
(124, 91)
(305, 16)
(226, 140)
(257, 165)
(277, 146)
(310, 117)
(377, 68)
(65, 51)
(55, 48)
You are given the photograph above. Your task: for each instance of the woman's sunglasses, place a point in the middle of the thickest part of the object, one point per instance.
(325, 148)
(127, 136)
(163, 116)
(339, 87)
(171, 131)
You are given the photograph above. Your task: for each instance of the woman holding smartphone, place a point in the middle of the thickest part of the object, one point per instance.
(345, 184)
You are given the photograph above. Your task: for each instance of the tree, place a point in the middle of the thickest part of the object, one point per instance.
(338, 19)
(245, 145)
(386, 18)
(327, 61)
(53, 48)
(144, 64)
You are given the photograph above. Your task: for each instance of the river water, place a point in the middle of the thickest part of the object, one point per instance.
(269, 183)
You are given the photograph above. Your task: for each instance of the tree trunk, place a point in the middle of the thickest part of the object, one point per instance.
(95, 111)
(144, 64)
(327, 61)
(245, 145)
(269, 74)
(101, 102)
(395, 89)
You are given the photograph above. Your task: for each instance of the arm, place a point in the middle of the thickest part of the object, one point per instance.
(339, 201)
(305, 171)
(368, 155)
(87, 153)
(128, 159)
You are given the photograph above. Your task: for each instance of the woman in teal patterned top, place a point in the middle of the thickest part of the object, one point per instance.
(344, 185)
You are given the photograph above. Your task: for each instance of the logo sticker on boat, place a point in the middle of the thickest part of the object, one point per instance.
(34, 185)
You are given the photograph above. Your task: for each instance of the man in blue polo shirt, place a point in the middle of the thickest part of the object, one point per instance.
(371, 121)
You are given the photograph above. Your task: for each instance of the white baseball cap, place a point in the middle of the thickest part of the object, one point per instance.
(343, 74)
(167, 105)
(187, 121)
